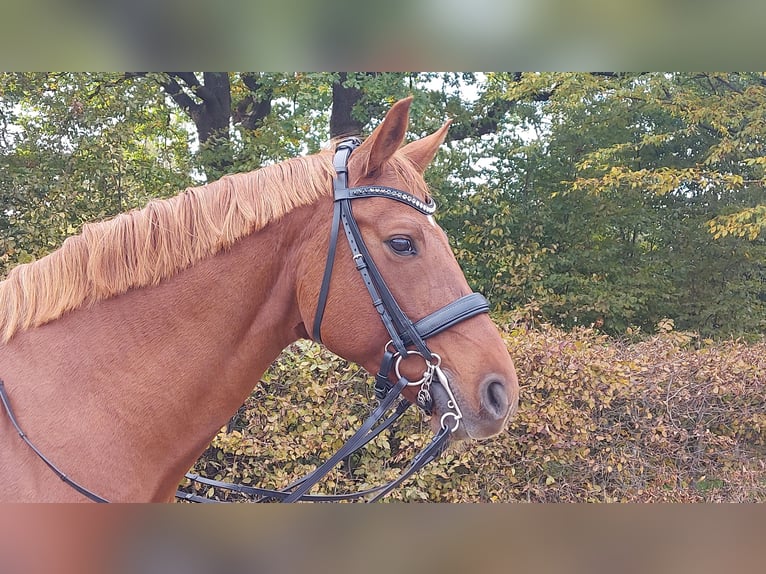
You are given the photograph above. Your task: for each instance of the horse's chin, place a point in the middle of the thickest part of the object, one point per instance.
(458, 435)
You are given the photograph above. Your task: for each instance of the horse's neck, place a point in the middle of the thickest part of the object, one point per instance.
(143, 381)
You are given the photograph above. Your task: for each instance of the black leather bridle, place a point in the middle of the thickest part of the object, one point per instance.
(404, 334)
(402, 331)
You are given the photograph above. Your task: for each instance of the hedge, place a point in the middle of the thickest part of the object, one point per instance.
(672, 418)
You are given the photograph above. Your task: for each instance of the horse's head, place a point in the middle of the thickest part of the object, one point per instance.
(413, 255)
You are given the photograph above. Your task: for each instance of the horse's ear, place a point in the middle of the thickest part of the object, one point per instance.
(422, 151)
(387, 137)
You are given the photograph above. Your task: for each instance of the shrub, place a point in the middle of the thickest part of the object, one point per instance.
(671, 418)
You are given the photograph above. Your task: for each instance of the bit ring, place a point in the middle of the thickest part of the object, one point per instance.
(427, 374)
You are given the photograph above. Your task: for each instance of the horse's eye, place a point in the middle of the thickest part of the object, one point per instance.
(402, 245)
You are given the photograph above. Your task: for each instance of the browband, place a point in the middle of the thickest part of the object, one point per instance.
(389, 193)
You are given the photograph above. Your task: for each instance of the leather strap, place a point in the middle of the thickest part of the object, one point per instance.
(459, 310)
(340, 182)
(325, 289)
(396, 322)
(402, 332)
(434, 449)
(424, 457)
(9, 411)
(353, 444)
(296, 491)
(426, 208)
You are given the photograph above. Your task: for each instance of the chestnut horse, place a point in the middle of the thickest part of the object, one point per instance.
(126, 350)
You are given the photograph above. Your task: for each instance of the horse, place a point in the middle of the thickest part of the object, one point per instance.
(127, 349)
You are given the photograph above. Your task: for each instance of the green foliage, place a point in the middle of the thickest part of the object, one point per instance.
(672, 418)
(296, 125)
(611, 200)
(78, 149)
(616, 200)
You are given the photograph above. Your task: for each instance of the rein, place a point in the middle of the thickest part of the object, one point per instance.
(9, 411)
(403, 333)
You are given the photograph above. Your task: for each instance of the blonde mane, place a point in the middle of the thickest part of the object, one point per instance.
(142, 247)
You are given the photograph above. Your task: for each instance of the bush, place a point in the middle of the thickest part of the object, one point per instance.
(672, 418)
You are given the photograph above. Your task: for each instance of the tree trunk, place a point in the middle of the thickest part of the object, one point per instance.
(212, 119)
(344, 98)
(210, 110)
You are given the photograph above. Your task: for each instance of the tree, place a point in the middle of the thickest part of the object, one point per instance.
(601, 213)
(79, 147)
(598, 198)
(227, 109)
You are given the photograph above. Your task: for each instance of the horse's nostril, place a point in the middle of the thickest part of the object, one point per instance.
(495, 399)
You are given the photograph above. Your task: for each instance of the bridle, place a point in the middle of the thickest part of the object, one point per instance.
(403, 332)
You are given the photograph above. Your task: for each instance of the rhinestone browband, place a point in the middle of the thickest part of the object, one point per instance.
(389, 192)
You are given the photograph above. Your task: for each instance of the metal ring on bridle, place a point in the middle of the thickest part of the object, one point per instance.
(427, 374)
(453, 415)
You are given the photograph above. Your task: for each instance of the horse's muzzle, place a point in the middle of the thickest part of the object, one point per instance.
(497, 403)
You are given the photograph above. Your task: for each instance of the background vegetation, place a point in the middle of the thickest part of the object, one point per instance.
(670, 419)
(585, 206)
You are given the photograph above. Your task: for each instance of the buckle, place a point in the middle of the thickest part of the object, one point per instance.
(382, 387)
